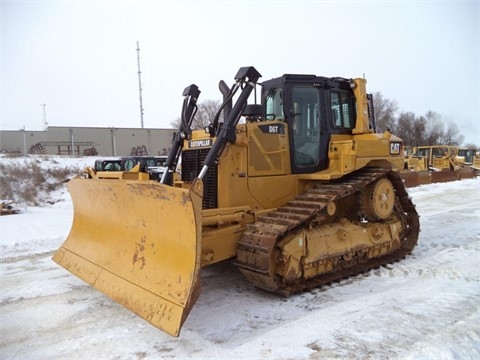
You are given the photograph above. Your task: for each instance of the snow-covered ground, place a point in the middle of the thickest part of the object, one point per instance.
(424, 307)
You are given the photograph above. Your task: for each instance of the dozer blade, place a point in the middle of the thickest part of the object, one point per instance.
(415, 178)
(444, 176)
(467, 173)
(410, 178)
(139, 242)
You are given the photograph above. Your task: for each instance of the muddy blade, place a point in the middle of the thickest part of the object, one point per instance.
(139, 243)
(415, 178)
(467, 173)
(444, 176)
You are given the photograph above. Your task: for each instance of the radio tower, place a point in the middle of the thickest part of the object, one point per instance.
(140, 84)
(45, 123)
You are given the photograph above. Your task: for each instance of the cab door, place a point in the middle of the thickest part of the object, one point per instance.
(305, 112)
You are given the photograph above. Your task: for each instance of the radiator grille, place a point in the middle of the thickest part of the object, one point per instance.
(192, 161)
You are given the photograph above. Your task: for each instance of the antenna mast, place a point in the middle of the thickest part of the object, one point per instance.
(140, 84)
(45, 123)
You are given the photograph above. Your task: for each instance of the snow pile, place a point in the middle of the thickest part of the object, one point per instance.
(37, 180)
(424, 307)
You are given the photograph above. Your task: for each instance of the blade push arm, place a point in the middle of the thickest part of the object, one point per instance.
(247, 78)
(189, 109)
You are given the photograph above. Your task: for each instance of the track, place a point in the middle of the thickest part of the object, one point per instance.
(256, 256)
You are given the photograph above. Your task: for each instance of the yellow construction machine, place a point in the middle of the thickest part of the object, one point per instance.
(7, 207)
(127, 168)
(298, 188)
(434, 163)
(469, 157)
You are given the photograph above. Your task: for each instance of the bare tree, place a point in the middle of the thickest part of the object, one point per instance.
(471, 146)
(410, 128)
(205, 113)
(175, 124)
(385, 111)
(452, 135)
(428, 129)
(434, 129)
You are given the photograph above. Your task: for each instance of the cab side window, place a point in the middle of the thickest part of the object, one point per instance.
(128, 165)
(342, 109)
(274, 105)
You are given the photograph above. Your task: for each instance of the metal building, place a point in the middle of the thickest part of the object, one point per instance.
(84, 141)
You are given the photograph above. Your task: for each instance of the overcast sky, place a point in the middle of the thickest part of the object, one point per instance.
(79, 58)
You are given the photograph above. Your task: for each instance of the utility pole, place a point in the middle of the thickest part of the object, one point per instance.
(24, 142)
(45, 123)
(140, 84)
(114, 142)
(72, 143)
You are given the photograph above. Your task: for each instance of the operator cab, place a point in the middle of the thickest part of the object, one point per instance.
(313, 107)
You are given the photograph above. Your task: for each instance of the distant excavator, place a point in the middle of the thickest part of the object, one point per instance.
(298, 188)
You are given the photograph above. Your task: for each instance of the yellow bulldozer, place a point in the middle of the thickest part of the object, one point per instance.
(297, 187)
(435, 163)
(469, 157)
